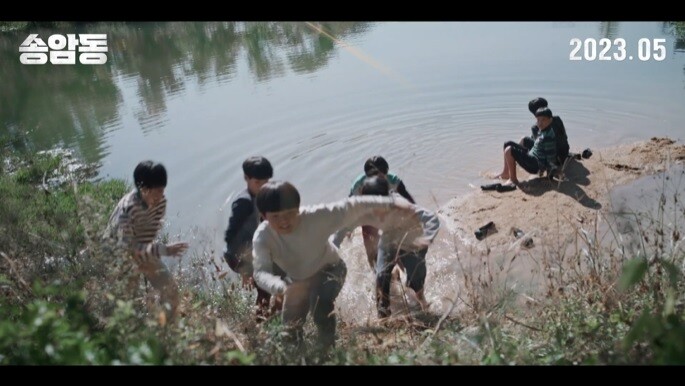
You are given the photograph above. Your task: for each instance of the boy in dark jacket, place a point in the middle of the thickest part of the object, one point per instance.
(242, 224)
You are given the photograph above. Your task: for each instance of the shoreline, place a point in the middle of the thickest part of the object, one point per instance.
(540, 207)
(557, 216)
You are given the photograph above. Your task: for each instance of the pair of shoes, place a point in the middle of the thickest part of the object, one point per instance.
(483, 231)
(499, 187)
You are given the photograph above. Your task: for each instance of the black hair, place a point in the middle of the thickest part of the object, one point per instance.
(376, 186)
(258, 167)
(543, 112)
(535, 104)
(149, 174)
(276, 196)
(376, 164)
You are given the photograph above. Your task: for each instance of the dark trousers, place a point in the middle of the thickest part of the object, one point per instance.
(316, 294)
(521, 156)
(414, 263)
(370, 236)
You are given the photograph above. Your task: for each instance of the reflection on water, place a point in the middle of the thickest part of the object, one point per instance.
(201, 97)
(677, 30)
(76, 105)
(56, 104)
(609, 29)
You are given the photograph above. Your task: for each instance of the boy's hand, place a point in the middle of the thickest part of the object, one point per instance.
(176, 249)
(248, 282)
(422, 242)
(402, 203)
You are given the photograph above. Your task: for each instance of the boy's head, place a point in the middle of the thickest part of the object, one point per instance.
(535, 104)
(279, 203)
(257, 172)
(376, 165)
(376, 186)
(150, 179)
(544, 117)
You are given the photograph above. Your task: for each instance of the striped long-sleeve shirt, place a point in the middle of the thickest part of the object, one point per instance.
(134, 226)
(545, 149)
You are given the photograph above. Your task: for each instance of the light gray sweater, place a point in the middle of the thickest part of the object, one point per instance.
(307, 249)
(400, 231)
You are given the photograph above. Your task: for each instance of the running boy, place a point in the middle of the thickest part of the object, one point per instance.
(396, 246)
(297, 239)
(374, 166)
(135, 223)
(242, 224)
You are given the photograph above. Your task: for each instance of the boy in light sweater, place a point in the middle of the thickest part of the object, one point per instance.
(297, 240)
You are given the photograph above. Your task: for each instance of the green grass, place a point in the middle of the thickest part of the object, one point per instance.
(593, 306)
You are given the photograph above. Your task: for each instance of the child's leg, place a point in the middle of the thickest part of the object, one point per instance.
(296, 307)
(384, 266)
(510, 165)
(278, 299)
(161, 279)
(328, 284)
(370, 235)
(505, 169)
(415, 265)
(263, 300)
(277, 306)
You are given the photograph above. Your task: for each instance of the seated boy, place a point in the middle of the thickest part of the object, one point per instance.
(297, 239)
(559, 131)
(542, 156)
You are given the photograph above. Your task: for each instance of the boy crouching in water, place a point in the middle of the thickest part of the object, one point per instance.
(404, 240)
(297, 240)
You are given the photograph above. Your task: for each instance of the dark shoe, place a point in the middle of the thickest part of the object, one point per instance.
(495, 186)
(506, 188)
(587, 153)
(483, 231)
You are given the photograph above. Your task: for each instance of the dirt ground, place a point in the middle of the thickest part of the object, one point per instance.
(543, 208)
(550, 212)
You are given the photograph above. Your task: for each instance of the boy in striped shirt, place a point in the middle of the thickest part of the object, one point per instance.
(135, 223)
